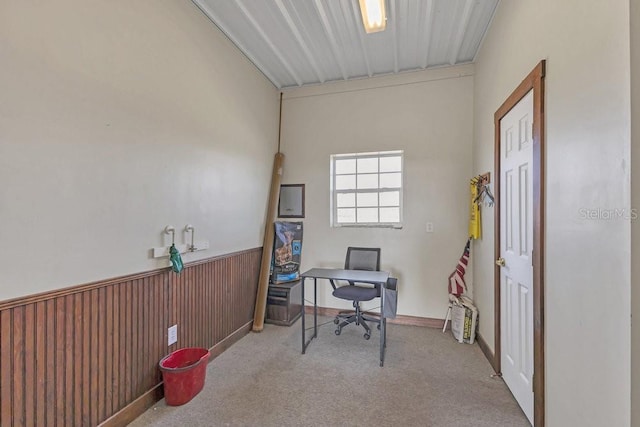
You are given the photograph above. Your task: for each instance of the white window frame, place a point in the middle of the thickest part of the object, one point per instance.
(334, 192)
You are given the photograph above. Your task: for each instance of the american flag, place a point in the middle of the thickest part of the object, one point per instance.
(456, 279)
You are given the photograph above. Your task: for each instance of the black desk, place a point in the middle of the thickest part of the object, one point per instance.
(373, 277)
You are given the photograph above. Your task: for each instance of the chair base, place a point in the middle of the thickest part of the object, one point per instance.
(358, 317)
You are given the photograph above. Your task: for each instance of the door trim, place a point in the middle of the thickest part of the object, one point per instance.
(534, 81)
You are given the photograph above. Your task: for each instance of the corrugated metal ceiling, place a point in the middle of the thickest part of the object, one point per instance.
(306, 42)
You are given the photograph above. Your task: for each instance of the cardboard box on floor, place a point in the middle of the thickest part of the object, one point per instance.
(464, 321)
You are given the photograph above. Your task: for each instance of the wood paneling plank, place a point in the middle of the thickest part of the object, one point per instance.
(60, 365)
(108, 349)
(70, 335)
(128, 350)
(100, 353)
(139, 364)
(207, 280)
(133, 362)
(218, 303)
(143, 338)
(50, 357)
(18, 367)
(40, 351)
(93, 361)
(86, 358)
(159, 325)
(116, 351)
(168, 314)
(30, 384)
(77, 359)
(122, 360)
(6, 367)
(155, 316)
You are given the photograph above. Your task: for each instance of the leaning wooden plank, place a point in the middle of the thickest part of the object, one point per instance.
(267, 246)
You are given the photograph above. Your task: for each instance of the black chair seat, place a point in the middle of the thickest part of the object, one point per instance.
(367, 259)
(355, 293)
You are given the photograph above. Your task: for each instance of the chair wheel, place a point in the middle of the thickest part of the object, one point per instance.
(336, 321)
(367, 336)
(337, 331)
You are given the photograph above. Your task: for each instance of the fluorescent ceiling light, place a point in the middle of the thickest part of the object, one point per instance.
(374, 16)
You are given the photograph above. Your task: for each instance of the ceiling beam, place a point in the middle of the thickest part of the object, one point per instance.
(268, 41)
(462, 29)
(359, 27)
(298, 36)
(394, 34)
(486, 30)
(428, 25)
(332, 38)
(215, 20)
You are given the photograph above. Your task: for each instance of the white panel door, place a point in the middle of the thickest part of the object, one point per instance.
(516, 245)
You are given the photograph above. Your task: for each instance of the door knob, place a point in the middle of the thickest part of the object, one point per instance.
(500, 262)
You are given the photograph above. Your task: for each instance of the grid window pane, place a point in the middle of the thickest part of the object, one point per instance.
(367, 188)
(367, 181)
(345, 182)
(391, 164)
(391, 180)
(345, 166)
(367, 199)
(390, 198)
(346, 200)
(368, 165)
(367, 215)
(389, 214)
(346, 215)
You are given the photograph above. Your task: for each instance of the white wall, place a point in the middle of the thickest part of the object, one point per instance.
(117, 119)
(587, 275)
(426, 114)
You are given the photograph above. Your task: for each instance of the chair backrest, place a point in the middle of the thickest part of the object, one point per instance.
(362, 259)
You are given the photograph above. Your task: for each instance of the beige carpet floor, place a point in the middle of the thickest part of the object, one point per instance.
(428, 380)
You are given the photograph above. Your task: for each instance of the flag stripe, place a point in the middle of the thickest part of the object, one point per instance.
(457, 285)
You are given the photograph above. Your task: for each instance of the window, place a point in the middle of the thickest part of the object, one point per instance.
(366, 189)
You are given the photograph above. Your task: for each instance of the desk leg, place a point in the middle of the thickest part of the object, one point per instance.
(385, 333)
(383, 327)
(306, 343)
(315, 307)
(303, 316)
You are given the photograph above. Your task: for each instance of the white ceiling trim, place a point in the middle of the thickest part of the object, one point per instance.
(380, 82)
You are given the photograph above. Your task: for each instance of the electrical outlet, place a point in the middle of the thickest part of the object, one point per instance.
(173, 334)
(429, 227)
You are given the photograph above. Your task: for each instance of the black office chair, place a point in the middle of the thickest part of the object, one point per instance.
(358, 259)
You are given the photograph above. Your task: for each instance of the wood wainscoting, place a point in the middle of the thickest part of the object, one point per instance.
(88, 354)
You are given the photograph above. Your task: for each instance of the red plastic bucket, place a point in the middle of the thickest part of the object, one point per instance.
(183, 374)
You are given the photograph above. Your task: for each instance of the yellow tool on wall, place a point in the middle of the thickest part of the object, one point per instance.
(475, 229)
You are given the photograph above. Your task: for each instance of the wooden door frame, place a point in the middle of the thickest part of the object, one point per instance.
(534, 81)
